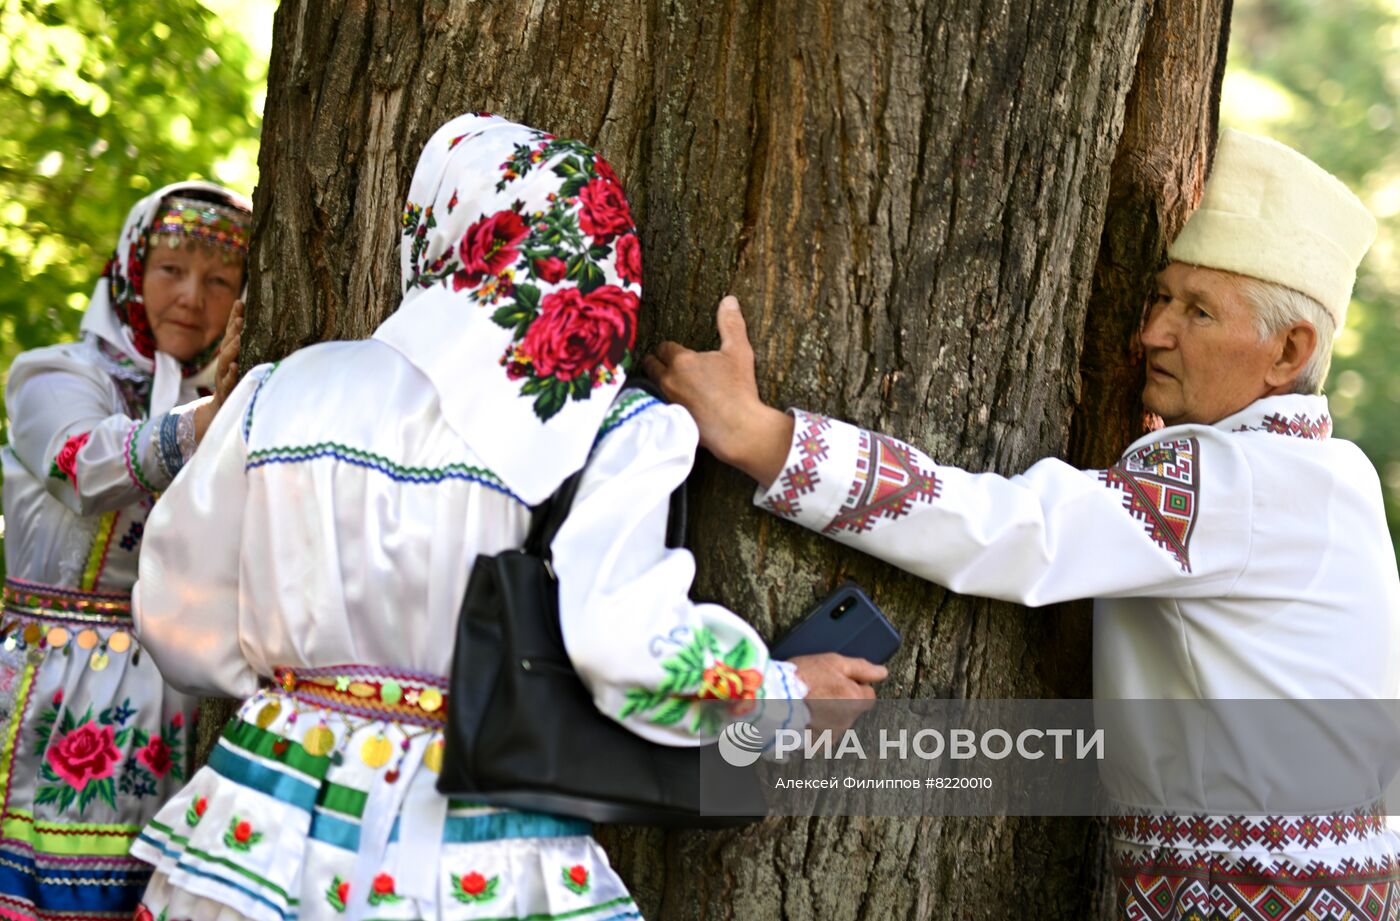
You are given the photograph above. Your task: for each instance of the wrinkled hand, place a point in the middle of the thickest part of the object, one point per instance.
(839, 688)
(721, 391)
(225, 372)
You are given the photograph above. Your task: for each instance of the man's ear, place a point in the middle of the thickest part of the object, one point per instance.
(1299, 343)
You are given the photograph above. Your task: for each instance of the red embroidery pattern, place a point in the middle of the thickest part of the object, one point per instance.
(888, 482)
(1185, 885)
(1159, 485)
(1275, 833)
(802, 476)
(1300, 426)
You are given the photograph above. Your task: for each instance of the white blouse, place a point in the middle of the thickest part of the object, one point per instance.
(331, 517)
(75, 518)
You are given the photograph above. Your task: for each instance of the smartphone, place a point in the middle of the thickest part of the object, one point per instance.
(846, 621)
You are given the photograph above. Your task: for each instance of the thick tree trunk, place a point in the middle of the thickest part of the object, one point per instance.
(909, 198)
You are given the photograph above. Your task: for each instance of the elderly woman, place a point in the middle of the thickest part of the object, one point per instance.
(324, 538)
(95, 741)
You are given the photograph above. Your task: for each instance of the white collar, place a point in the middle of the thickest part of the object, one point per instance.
(1297, 415)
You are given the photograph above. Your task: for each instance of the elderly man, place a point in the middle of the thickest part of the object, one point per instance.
(1240, 552)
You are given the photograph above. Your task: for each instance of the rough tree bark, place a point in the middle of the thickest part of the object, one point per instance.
(910, 200)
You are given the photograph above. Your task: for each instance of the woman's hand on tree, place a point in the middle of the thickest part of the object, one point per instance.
(225, 372)
(839, 688)
(721, 391)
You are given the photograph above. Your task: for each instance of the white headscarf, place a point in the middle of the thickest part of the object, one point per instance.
(116, 313)
(522, 282)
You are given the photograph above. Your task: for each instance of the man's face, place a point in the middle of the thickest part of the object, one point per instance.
(1204, 357)
(188, 292)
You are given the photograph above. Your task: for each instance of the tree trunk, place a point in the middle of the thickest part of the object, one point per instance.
(909, 198)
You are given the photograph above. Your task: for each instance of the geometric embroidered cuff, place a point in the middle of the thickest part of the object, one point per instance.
(817, 474)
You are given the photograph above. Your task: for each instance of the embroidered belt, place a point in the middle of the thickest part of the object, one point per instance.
(53, 602)
(370, 692)
(1274, 833)
(42, 617)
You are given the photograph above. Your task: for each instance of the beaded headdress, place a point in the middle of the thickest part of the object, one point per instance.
(217, 225)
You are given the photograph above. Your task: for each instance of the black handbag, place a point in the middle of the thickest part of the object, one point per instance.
(523, 730)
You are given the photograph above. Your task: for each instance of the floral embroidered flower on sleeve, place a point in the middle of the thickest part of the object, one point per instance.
(65, 464)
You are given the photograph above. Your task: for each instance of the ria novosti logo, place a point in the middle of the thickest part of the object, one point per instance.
(740, 744)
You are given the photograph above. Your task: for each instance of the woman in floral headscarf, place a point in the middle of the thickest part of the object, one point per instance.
(94, 739)
(327, 530)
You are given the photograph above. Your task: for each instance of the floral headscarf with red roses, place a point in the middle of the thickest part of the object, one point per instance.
(116, 313)
(522, 279)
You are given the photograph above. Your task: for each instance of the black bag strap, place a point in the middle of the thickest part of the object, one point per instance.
(548, 517)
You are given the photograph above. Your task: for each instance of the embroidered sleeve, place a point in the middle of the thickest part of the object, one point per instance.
(1053, 533)
(650, 655)
(1159, 486)
(64, 430)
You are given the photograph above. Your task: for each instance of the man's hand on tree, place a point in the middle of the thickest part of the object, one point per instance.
(720, 390)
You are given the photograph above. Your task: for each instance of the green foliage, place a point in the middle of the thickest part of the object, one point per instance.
(102, 103)
(1325, 78)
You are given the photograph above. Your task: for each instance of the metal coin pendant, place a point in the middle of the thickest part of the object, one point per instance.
(376, 751)
(87, 639)
(119, 641)
(432, 758)
(318, 741)
(98, 661)
(268, 713)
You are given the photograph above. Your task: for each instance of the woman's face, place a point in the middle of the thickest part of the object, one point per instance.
(189, 292)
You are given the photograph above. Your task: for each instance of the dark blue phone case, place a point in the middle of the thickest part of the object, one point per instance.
(846, 621)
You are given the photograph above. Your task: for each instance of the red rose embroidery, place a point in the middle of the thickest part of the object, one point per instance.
(342, 892)
(605, 171)
(629, 259)
(576, 334)
(473, 883)
(201, 805)
(178, 720)
(65, 464)
(384, 884)
(605, 212)
(550, 269)
(143, 914)
(84, 754)
(58, 697)
(156, 756)
(722, 682)
(576, 878)
(489, 247)
(242, 831)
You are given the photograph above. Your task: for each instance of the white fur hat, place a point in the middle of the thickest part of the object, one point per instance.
(1271, 213)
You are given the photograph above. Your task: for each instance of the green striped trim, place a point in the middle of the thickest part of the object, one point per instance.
(625, 407)
(292, 454)
(253, 401)
(133, 462)
(79, 840)
(184, 843)
(576, 913)
(260, 742)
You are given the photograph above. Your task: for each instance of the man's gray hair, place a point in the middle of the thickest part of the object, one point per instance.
(1276, 308)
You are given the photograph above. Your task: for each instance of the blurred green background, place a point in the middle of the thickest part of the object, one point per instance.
(103, 102)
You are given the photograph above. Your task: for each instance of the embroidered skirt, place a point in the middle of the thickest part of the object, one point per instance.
(1342, 867)
(320, 802)
(94, 742)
